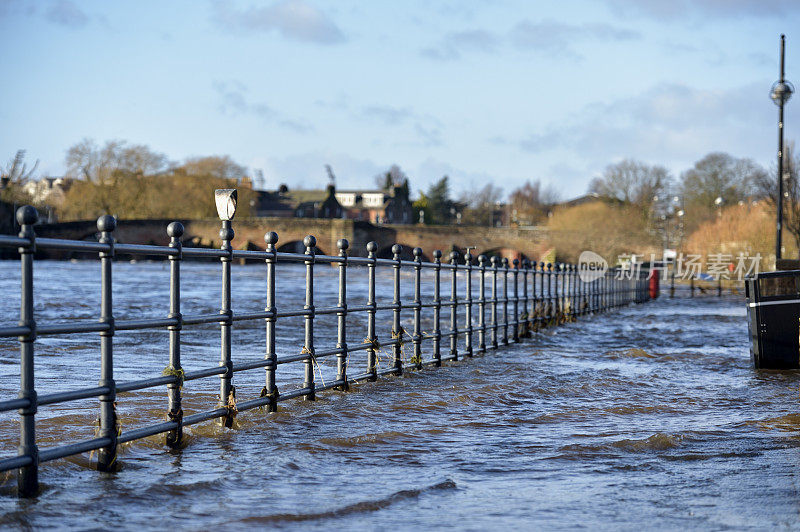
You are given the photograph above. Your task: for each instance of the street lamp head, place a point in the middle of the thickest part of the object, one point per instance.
(781, 92)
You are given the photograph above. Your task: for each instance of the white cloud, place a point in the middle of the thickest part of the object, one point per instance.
(234, 101)
(669, 124)
(294, 19)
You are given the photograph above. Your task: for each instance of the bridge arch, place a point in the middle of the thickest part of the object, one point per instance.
(297, 246)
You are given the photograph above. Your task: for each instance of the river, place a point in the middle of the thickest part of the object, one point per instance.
(649, 416)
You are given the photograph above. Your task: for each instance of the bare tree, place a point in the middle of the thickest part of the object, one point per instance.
(13, 176)
(632, 182)
(766, 188)
(215, 166)
(530, 203)
(17, 171)
(480, 205)
(393, 177)
(719, 175)
(86, 160)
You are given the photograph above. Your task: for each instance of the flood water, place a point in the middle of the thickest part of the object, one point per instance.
(647, 416)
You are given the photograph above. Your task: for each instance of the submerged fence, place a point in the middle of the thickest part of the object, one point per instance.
(513, 299)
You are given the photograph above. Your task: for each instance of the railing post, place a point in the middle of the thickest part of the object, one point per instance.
(575, 286)
(454, 306)
(107, 456)
(541, 299)
(308, 344)
(494, 301)
(372, 339)
(559, 309)
(468, 305)
(417, 337)
(175, 411)
(524, 316)
(397, 328)
(515, 276)
(505, 301)
(566, 294)
(482, 305)
(27, 476)
(532, 311)
(551, 303)
(341, 318)
(271, 388)
(437, 308)
(227, 394)
(564, 291)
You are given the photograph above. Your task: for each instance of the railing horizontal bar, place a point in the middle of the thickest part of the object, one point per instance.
(449, 357)
(292, 257)
(251, 254)
(244, 366)
(13, 404)
(144, 432)
(294, 393)
(363, 308)
(75, 448)
(292, 358)
(14, 241)
(72, 245)
(204, 416)
(253, 403)
(203, 318)
(72, 395)
(13, 463)
(390, 306)
(146, 383)
(328, 352)
(327, 259)
(203, 252)
(359, 347)
(388, 371)
(328, 310)
(199, 374)
(14, 331)
(150, 323)
(143, 249)
(358, 261)
(329, 385)
(360, 377)
(293, 313)
(72, 328)
(252, 316)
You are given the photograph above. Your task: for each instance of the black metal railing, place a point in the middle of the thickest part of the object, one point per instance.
(541, 295)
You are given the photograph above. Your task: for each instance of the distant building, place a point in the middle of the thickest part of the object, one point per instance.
(284, 203)
(377, 206)
(48, 190)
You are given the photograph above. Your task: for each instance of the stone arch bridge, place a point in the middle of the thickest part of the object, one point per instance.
(510, 242)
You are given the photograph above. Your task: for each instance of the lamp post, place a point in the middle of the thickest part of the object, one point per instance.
(780, 93)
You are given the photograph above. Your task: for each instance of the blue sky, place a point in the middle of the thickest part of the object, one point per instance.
(496, 92)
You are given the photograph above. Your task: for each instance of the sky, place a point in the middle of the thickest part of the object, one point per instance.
(485, 92)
